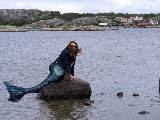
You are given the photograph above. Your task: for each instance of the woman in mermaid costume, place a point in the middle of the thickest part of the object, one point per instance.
(62, 67)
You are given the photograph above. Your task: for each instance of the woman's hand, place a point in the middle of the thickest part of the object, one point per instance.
(67, 77)
(72, 77)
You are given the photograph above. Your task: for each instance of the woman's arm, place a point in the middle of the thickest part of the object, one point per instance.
(67, 61)
(72, 66)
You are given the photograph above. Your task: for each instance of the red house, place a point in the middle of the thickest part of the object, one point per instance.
(144, 25)
(47, 26)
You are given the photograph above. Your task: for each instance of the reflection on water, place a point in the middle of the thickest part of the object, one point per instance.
(64, 109)
(125, 60)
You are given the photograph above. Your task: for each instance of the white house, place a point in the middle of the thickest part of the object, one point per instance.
(153, 21)
(103, 24)
(136, 18)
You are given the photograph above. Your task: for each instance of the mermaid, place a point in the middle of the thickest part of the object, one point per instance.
(61, 68)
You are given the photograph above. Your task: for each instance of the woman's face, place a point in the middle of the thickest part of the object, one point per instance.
(73, 45)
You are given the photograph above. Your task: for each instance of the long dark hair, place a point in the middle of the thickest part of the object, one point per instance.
(74, 50)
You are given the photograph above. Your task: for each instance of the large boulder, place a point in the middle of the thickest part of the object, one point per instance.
(66, 89)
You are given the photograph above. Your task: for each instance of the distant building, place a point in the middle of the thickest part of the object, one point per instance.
(139, 25)
(47, 26)
(126, 25)
(124, 19)
(130, 20)
(136, 18)
(118, 18)
(103, 24)
(153, 21)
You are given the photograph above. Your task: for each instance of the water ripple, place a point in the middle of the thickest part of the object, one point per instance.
(125, 61)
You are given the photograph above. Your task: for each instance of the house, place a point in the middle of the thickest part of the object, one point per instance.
(126, 25)
(144, 25)
(124, 19)
(136, 18)
(126, 22)
(130, 20)
(153, 21)
(47, 26)
(121, 19)
(118, 18)
(102, 24)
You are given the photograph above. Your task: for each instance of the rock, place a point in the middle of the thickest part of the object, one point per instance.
(135, 94)
(87, 103)
(143, 112)
(131, 104)
(18, 14)
(120, 94)
(37, 20)
(83, 21)
(72, 89)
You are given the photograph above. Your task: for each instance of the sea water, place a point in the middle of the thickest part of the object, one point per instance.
(124, 60)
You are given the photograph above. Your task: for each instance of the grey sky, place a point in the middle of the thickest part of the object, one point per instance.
(85, 6)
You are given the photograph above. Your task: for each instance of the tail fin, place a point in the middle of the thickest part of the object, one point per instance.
(16, 93)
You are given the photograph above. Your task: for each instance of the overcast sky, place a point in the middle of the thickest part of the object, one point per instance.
(86, 6)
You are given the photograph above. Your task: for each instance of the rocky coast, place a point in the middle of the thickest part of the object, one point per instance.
(47, 23)
(70, 28)
(22, 20)
(12, 29)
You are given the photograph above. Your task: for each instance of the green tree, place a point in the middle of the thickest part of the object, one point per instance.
(55, 14)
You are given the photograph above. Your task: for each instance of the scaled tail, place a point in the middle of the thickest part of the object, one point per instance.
(16, 93)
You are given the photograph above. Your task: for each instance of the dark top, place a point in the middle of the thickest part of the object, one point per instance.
(66, 61)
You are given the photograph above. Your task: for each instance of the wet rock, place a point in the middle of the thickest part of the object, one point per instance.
(135, 94)
(131, 104)
(66, 89)
(102, 93)
(88, 102)
(92, 101)
(115, 82)
(143, 112)
(120, 94)
(155, 100)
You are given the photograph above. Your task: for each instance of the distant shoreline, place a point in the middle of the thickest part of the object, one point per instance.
(71, 29)
(26, 29)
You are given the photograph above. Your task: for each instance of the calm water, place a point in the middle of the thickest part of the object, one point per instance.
(125, 60)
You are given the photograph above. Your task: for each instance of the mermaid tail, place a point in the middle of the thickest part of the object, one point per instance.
(16, 93)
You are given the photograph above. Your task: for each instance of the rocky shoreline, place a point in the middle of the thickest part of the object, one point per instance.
(80, 28)
(26, 29)
(8, 28)
(16, 30)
